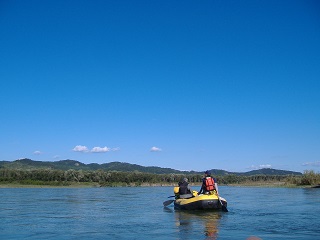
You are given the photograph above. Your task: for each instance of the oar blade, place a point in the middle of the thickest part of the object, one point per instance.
(167, 203)
(224, 208)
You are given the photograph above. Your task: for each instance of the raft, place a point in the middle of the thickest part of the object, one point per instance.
(208, 201)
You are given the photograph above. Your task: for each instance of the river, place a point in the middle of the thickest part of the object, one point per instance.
(138, 213)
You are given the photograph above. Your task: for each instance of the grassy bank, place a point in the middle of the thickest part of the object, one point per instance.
(99, 178)
(48, 185)
(194, 186)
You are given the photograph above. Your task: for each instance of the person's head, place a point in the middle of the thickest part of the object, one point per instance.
(185, 179)
(207, 173)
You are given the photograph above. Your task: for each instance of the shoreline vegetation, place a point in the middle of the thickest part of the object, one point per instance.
(95, 185)
(41, 178)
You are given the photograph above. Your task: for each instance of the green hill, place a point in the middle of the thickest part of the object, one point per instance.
(28, 164)
(270, 171)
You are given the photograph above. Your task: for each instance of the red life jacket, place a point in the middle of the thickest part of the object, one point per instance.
(209, 184)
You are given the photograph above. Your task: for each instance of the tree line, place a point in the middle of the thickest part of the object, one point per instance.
(135, 178)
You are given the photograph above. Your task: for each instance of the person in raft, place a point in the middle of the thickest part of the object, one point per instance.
(184, 189)
(209, 184)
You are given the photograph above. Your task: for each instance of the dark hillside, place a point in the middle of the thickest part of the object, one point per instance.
(270, 171)
(26, 164)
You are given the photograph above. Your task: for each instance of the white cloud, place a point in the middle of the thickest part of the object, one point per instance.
(56, 157)
(260, 166)
(265, 166)
(80, 148)
(100, 149)
(315, 164)
(155, 149)
(37, 152)
(252, 167)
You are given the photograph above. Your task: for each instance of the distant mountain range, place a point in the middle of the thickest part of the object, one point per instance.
(28, 164)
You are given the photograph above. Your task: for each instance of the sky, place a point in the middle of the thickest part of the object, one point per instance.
(188, 85)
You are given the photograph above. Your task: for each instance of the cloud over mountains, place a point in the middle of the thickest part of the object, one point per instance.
(85, 149)
(155, 149)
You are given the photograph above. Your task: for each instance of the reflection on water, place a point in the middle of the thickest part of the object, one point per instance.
(107, 213)
(187, 222)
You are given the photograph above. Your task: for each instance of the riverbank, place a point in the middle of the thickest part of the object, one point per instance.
(71, 185)
(193, 185)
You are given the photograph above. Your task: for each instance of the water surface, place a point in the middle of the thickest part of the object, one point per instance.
(138, 213)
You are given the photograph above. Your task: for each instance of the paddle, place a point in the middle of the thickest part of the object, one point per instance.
(223, 207)
(167, 203)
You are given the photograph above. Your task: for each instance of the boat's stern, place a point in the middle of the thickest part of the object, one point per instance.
(200, 202)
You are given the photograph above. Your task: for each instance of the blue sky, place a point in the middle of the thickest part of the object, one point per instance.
(189, 85)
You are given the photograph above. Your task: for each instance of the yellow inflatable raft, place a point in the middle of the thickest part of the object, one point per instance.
(210, 201)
